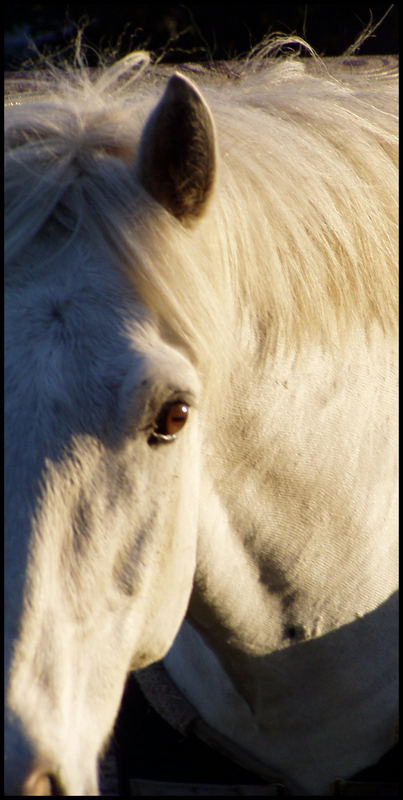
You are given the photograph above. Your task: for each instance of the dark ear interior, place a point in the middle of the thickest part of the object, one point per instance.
(177, 152)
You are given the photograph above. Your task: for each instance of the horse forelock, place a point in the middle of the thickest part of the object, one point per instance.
(300, 235)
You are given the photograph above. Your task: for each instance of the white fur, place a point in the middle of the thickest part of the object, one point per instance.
(274, 510)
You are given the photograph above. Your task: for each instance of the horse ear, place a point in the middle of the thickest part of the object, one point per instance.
(177, 152)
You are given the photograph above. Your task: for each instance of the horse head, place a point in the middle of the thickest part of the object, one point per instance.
(102, 473)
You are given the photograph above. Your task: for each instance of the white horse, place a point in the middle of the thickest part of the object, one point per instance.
(200, 412)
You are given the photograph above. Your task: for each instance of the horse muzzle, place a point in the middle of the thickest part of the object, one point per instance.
(41, 781)
(37, 779)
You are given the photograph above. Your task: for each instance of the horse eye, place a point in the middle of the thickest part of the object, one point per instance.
(173, 419)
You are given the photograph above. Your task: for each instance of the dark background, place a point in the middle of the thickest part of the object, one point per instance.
(190, 32)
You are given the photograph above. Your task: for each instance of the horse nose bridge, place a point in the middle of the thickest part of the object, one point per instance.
(45, 766)
(41, 781)
(18, 755)
(45, 701)
(35, 779)
(26, 772)
(31, 763)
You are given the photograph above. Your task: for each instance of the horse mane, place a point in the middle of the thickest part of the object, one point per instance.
(300, 238)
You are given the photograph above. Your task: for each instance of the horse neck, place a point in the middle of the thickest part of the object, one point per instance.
(295, 500)
(294, 591)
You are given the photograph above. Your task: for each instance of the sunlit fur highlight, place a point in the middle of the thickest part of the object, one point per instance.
(300, 238)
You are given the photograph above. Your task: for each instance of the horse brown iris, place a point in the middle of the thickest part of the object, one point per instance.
(175, 418)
